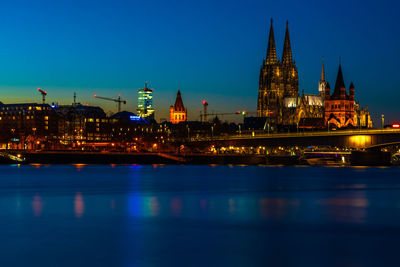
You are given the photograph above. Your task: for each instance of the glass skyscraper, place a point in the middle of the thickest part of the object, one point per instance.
(145, 107)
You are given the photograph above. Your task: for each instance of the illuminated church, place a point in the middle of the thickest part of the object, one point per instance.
(280, 103)
(178, 112)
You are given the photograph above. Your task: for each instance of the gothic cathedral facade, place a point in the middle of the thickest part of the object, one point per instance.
(280, 103)
(279, 80)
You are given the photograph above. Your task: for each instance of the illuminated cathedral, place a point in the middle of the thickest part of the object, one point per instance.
(280, 103)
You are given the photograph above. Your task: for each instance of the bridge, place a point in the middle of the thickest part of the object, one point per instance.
(355, 139)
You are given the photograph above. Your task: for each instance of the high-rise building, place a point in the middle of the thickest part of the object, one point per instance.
(145, 107)
(178, 112)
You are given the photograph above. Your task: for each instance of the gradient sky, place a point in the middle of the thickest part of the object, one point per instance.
(212, 50)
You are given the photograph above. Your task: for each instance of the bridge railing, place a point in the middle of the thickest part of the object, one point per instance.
(258, 134)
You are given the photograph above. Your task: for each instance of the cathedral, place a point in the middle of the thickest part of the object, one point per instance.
(280, 103)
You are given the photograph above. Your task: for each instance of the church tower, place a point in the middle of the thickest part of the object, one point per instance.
(340, 106)
(291, 78)
(278, 79)
(178, 112)
(322, 83)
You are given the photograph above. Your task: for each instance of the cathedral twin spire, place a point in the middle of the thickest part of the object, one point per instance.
(271, 50)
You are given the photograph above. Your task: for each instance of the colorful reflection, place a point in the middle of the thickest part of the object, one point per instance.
(79, 205)
(345, 208)
(37, 205)
(176, 206)
(143, 206)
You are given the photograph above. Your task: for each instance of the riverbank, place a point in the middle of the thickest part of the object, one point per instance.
(357, 158)
(78, 157)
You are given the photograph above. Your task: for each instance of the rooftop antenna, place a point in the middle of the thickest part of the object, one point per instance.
(74, 98)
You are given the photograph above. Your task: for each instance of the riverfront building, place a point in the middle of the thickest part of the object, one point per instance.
(27, 125)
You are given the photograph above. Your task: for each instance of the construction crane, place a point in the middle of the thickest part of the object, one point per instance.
(44, 93)
(118, 100)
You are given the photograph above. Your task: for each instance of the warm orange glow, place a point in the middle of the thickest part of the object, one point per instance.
(360, 141)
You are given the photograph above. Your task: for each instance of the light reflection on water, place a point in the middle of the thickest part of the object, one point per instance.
(191, 215)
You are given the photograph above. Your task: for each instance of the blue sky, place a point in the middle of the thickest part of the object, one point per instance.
(210, 49)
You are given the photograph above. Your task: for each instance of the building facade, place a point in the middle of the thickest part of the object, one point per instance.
(178, 112)
(341, 109)
(145, 107)
(278, 83)
(280, 104)
(27, 126)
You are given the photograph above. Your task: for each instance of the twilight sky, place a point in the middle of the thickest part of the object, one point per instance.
(212, 50)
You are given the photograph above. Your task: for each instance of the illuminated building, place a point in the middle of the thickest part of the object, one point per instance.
(278, 80)
(178, 112)
(341, 110)
(79, 123)
(280, 104)
(145, 103)
(26, 125)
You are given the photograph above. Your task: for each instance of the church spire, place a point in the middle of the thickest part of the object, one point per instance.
(271, 50)
(178, 101)
(287, 50)
(323, 71)
(339, 82)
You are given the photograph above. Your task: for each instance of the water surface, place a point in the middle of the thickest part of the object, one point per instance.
(144, 215)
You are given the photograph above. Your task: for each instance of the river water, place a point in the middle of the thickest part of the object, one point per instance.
(145, 215)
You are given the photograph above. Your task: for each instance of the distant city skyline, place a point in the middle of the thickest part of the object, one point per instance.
(210, 50)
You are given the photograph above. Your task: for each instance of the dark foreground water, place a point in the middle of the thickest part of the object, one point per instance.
(80, 215)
